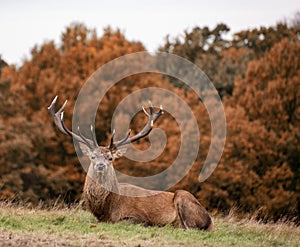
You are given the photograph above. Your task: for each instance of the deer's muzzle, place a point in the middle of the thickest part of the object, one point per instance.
(100, 167)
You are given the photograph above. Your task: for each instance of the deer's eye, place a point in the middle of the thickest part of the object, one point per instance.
(110, 158)
(93, 157)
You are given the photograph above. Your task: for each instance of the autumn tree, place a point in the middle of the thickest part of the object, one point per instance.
(51, 167)
(213, 52)
(36, 161)
(256, 72)
(260, 165)
(258, 169)
(2, 64)
(263, 39)
(223, 58)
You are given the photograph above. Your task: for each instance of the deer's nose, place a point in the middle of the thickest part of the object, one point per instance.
(100, 167)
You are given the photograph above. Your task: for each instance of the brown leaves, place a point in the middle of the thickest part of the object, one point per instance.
(260, 163)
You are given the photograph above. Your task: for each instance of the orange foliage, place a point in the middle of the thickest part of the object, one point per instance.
(257, 73)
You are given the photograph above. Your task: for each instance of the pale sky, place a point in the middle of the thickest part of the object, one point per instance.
(24, 23)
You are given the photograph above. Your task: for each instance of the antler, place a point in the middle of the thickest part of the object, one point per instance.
(59, 122)
(144, 132)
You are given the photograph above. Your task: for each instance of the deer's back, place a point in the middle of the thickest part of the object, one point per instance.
(146, 206)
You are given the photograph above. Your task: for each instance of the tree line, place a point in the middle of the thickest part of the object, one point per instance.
(256, 72)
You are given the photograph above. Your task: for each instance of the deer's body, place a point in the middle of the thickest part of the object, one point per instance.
(106, 199)
(179, 209)
(112, 207)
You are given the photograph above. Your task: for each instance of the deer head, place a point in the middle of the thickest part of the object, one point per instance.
(101, 157)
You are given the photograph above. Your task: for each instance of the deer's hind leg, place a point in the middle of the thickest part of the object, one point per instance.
(190, 212)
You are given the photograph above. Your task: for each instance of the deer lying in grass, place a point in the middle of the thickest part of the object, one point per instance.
(180, 209)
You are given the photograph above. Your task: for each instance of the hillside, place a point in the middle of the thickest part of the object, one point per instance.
(21, 226)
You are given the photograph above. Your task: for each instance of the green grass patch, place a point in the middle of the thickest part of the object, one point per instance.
(79, 228)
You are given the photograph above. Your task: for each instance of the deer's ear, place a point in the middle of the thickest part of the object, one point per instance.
(119, 152)
(84, 149)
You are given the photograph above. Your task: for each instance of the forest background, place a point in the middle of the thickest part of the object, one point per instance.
(256, 72)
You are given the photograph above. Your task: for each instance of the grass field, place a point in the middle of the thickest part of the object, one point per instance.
(21, 226)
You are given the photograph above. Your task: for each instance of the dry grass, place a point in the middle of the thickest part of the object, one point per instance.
(61, 226)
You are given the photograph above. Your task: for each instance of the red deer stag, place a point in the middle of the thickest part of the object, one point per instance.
(179, 209)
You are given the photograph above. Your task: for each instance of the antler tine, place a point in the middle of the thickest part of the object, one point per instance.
(114, 145)
(146, 113)
(152, 117)
(111, 144)
(94, 136)
(59, 122)
(151, 107)
(58, 116)
(86, 140)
